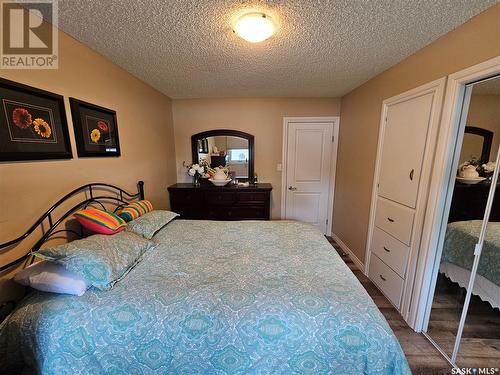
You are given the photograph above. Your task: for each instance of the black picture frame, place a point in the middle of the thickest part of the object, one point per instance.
(96, 129)
(33, 124)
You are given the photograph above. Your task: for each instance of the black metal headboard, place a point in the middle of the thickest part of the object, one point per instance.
(120, 199)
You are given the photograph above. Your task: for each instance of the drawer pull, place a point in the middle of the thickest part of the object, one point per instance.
(411, 174)
(383, 278)
(391, 220)
(386, 249)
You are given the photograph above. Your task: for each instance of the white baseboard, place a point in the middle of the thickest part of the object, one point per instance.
(349, 252)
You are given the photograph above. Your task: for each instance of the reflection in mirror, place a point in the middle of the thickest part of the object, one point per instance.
(225, 151)
(481, 332)
(480, 336)
(230, 149)
(476, 144)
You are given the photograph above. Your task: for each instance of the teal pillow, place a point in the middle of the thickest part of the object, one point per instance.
(148, 224)
(101, 260)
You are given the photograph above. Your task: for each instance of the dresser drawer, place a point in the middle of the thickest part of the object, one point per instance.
(220, 198)
(395, 219)
(185, 197)
(238, 213)
(252, 197)
(250, 212)
(189, 212)
(393, 252)
(386, 279)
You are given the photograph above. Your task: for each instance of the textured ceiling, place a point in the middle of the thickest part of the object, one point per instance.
(186, 48)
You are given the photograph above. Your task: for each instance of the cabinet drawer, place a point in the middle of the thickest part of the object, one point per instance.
(386, 279)
(250, 212)
(220, 198)
(395, 219)
(251, 197)
(237, 212)
(189, 212)
(185, 197)
(393, 252)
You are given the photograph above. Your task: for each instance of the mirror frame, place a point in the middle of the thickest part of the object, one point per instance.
(228, 133)
(487, 141)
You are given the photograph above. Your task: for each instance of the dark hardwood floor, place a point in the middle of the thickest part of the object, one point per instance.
(422, 356)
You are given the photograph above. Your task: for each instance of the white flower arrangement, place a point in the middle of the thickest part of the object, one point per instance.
(489, 167)
(197, 170)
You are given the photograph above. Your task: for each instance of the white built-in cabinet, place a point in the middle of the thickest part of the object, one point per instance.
(405, 135)
(407, 138)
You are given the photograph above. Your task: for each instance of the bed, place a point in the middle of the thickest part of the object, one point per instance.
(458, 257)
(213, 298)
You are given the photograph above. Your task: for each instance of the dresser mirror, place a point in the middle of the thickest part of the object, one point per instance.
(230, 149)
(476, 144)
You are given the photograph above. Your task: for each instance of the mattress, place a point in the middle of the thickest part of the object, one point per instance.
(212, 298)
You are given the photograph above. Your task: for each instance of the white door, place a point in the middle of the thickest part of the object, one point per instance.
(308, 156)
(403, 149)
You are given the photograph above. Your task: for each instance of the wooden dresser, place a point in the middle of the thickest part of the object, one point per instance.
(469, 202)
(221, 203)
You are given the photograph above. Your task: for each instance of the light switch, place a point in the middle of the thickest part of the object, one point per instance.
(278, 167)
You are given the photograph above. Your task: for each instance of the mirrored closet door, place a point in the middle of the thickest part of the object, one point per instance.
(464, 320)
(481, 330)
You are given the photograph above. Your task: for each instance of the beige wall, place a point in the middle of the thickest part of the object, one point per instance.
(469, 44)
(261, 117)
(484, 112)
(27, 189)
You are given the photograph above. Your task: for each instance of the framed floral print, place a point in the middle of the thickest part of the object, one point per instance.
(33, 124)
(96, 129)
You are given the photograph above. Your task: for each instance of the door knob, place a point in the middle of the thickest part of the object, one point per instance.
(292, 188)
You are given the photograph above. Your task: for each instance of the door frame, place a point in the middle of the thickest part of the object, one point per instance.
(436, 87)
(335, 120)
(431, 245)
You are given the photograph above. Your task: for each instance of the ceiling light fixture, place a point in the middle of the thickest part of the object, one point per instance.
(254, 27)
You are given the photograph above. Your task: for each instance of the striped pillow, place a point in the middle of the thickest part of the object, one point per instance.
(99, 221)
(135, 209)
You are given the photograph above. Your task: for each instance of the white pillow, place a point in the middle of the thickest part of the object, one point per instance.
(51, 277)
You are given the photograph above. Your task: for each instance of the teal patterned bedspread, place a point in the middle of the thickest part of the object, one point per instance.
(212, 298)
(460, 240)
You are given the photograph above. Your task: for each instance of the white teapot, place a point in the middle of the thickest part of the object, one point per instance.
(468, 171)
(220, 174)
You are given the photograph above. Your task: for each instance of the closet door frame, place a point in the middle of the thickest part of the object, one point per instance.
(437, 88)
(438, 199)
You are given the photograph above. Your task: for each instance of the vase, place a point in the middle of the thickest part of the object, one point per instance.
(196, 180)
